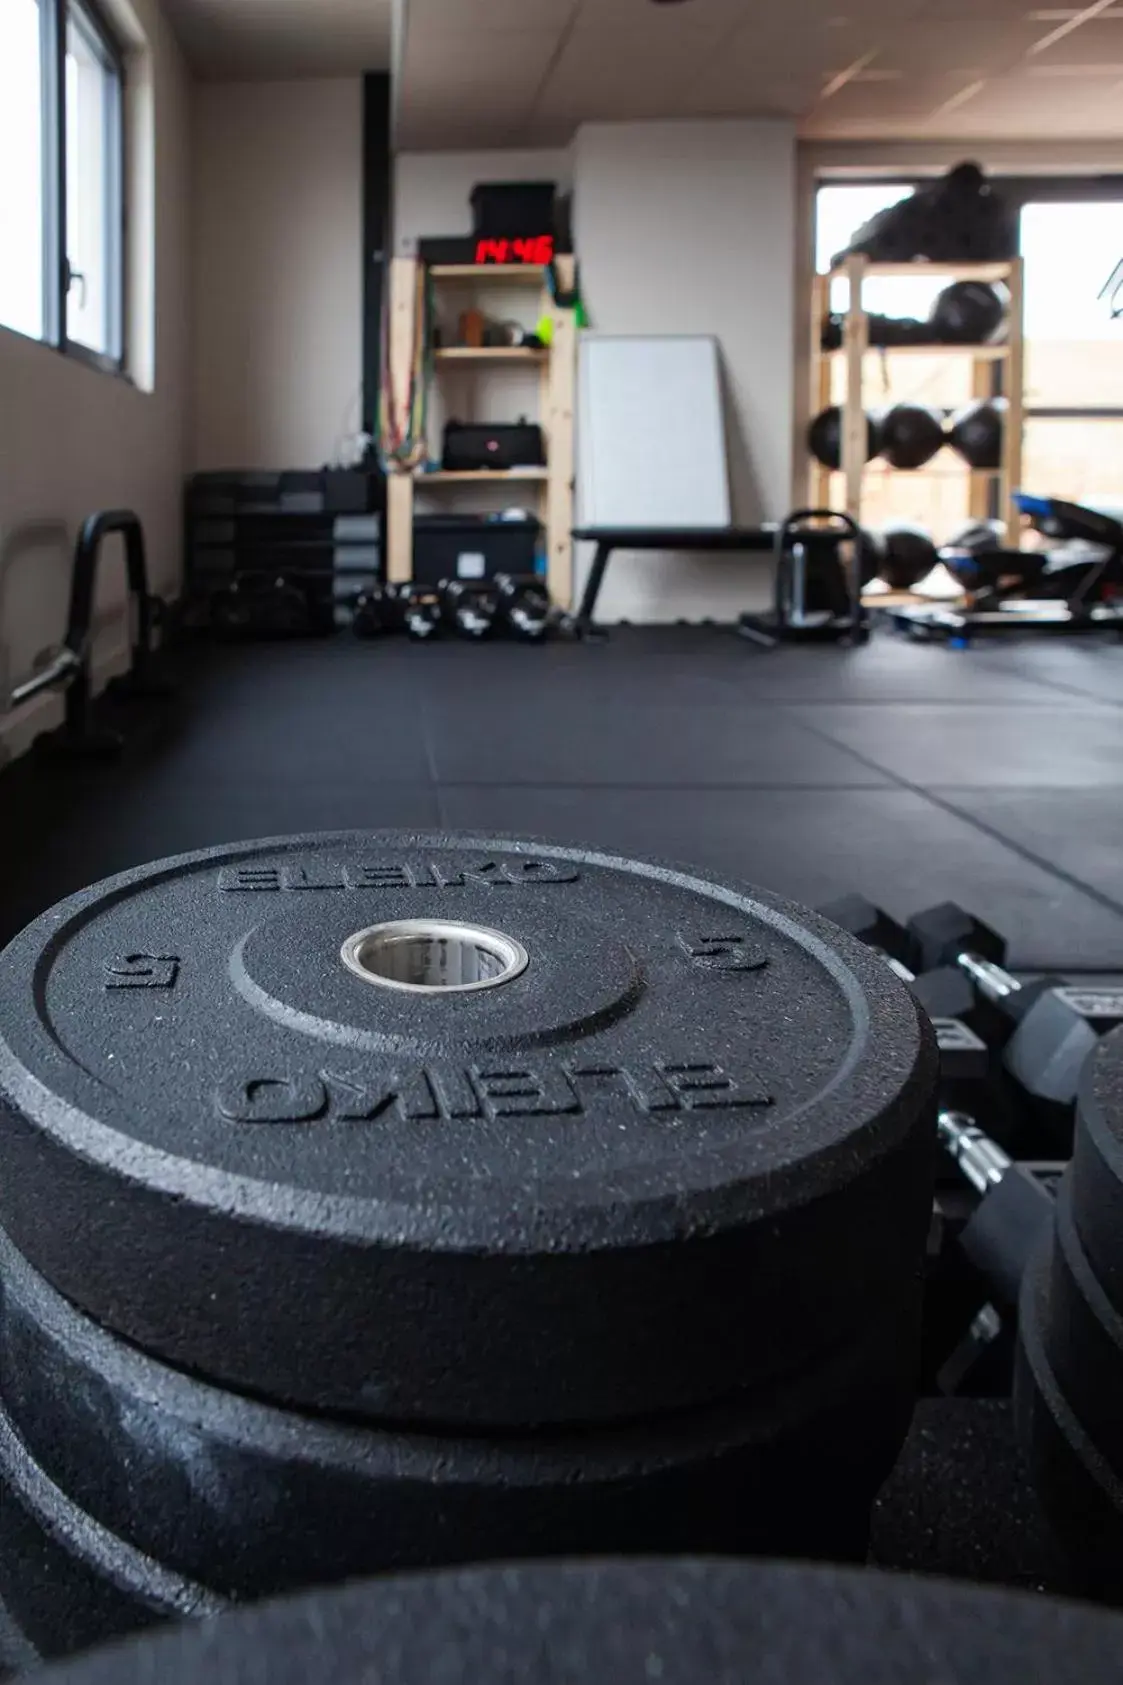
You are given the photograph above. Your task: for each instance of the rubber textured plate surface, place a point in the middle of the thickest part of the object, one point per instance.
(628, 1623)
(605, 1188)
(250, 1500)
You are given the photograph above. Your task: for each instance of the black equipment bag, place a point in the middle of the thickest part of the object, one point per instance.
(480, 445)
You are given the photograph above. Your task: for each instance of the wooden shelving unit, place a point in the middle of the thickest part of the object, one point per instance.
(557, 369)
(531, 274)
(490, 354)
(481, 477)
(856, 353)
(979, 353)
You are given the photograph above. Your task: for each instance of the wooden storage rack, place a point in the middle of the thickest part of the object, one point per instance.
(855, 349)
(557, 365)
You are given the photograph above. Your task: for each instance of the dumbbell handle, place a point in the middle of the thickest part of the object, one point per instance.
(992, 981)
(981, 1160)
(1000, 1236)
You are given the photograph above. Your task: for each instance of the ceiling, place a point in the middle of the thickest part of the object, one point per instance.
(477, 73)
(264, 39)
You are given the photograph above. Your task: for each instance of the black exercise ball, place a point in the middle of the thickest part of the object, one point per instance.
(967, 313)
(911, 435)
(905, 555)
(824, 437)
(977, 432)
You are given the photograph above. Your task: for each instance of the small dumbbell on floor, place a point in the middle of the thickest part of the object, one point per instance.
(470, 608)
(418, 610)
(525, 610)
(1048, 1026)
(944, 993)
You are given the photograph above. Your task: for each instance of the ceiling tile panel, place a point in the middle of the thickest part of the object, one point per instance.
(427, 16)
(458, 58)
(615, 75)
(978, 48)
(774, 47)
(1100, 39)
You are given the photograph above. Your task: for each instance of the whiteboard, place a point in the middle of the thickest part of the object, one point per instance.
(651, 432)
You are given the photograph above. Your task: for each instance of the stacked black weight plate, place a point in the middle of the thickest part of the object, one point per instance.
(1070, 1360)
(308, 1274)
(628, 1623)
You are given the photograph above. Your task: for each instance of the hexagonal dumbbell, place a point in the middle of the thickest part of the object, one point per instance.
(1049, 1027)
(944, 992)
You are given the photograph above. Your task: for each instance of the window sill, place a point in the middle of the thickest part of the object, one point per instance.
(75, 353)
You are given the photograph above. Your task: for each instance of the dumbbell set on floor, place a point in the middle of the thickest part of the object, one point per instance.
(1040, 1031)
(1069, 1369)
(511, 606)
(1047, 1241)
(272, 605)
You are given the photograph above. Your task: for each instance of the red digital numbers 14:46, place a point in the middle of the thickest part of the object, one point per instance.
(538, 250)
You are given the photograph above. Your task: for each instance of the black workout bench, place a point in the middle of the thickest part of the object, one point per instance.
(709, 540)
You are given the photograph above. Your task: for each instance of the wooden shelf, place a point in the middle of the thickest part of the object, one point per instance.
(885, 469)
(527, 272)
(482, 477)
(856, 361)
(977, 353)
(553, 371)
(938, 271)
(491, 354)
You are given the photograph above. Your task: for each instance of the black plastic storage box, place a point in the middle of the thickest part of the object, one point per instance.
(472, 547)
(513, 210)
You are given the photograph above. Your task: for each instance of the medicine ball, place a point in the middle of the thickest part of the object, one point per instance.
(977, 432)
(905, 555)
(967, 313)
(911, 435)
(975, 536)
(824, 437)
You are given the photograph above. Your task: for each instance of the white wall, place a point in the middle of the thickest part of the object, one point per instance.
(277, 272)
(690, 228)
(74, 440)
(432, 190)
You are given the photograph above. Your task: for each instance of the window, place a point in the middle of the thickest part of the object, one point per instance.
(61, 172)
(1074, 351)
(1071, 240)
(93, 186)
(21, 168)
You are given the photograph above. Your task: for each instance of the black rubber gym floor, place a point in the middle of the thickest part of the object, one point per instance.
(913, 774)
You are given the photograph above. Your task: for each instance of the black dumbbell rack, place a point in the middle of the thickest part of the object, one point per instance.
(322, 530)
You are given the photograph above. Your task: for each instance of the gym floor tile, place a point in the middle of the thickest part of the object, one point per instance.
(139, 819)
(1089, 669)
(311, 745)
(887, 671)
(1065, 747)
(813, 845)
(1079, 832)
(639, 740)
(463, 678)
